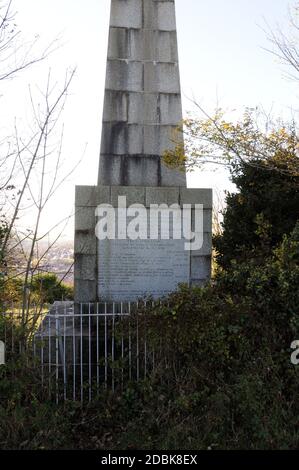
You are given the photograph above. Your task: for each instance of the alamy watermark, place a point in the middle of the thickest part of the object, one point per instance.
(295, 354)
(158, 221)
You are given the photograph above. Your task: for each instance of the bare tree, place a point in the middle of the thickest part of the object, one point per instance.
(285, 46)
(17, 54)
(42, 174)
(31, 166)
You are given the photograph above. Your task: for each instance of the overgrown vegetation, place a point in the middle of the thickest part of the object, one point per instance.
(223, 381)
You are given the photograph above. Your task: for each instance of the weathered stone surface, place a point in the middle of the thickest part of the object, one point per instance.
(91, 196)
(143, 108)
(206, 248)
(136, 139)
(142, 45)
(132, 269)
(200, 267)
(85, 291)
(162, 196)
(138, 170)
(85, 267)
(91, 255)
(126, 13)
(197, 196)
(170, 108)
(115, 107)
(207, 220)
(84, 218)
(124, 76)
(85, 242)
(161, 77)
(142, 103)
(134, 195)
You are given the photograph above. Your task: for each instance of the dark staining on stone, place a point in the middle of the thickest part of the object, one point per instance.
(159, 173)
(159, 108)
(134, 170)
(115, 135)
(115, 103)
(82, 232)
(143, 14)
(123, 172)
(122, 43)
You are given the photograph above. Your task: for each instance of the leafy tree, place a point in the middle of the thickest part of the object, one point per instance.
(46, 288)
(265, 208)
(251, 140)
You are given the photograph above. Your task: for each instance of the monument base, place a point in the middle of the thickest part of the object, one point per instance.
(123, 270)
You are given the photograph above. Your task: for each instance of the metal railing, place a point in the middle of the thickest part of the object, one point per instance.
(81, 349)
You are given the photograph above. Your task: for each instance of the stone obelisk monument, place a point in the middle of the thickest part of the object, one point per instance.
(142, 96)
(142, 107)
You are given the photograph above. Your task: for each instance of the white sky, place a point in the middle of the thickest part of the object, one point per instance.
(221, 59)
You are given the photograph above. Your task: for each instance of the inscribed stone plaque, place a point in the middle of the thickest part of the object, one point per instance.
(131, 269)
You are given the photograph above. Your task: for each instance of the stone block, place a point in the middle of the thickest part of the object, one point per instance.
(119, 43)
(115, 106)
(159, 15)
(162, 196)
(135, 139)
(134, 194)
(85, 242)
(84, 195)
(110, 170)
(126, 13)
(148, 45)
(166, 16)
(207, 221)
(85, 291)
(157, 139)
(140, 170)
(122, 139)
(206, 248)
(143, 108)
(200, 267)
(85, 267)
(143, 45)
(84, 218)
(131, 170)
(89, 196)
(114, 138)
(161, 78)
(197, 196)
(171, 177)
(167, 49)
(124, 76)
(152, 136)
(170, 107)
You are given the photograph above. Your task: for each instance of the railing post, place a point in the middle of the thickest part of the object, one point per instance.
(2, 353)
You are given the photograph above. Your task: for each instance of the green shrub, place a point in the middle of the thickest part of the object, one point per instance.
(264, 209)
